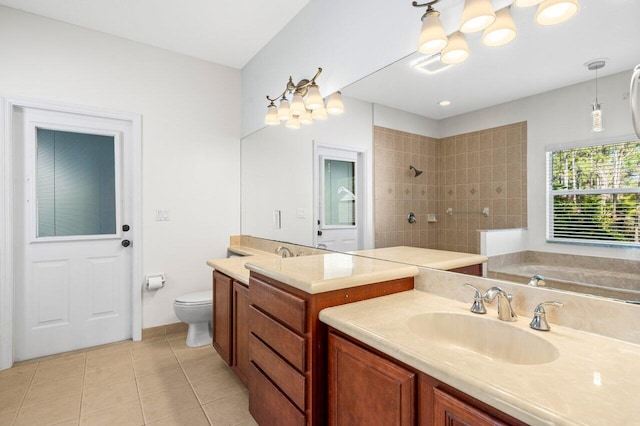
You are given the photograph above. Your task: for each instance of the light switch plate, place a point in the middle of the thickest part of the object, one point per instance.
(163, 215)
(277, 224)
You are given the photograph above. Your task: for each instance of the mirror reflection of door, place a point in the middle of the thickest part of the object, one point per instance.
(338, 206)
(73, 272)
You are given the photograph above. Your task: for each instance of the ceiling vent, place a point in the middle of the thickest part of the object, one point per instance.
(430, 64)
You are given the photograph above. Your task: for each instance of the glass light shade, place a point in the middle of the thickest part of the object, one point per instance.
(551, 12)
(476, 16)
(283, 109)
(320, 113)
(293, 122)
(297, 105)
(502, 31)
(432, 36)
(596, 118)
(527, 3)
(306, 118)
(271, 118)
(334, 103)
(457, 50)
(314, 98)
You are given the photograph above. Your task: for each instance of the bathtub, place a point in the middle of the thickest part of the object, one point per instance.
(613, 278)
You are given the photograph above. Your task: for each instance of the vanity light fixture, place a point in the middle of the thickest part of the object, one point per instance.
(552, 12)
(306, 105)
(502, 31)
(476, 16)
(596, 108)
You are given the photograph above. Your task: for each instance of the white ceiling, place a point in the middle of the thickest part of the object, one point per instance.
(227, 32)
(539, 60)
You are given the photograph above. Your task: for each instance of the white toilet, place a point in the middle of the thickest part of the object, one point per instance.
(196, 309)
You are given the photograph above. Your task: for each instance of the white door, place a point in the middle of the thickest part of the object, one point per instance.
(72, 210)
(338, 200)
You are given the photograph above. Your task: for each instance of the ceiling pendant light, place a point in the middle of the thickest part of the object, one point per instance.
(457, 50)
(551, 12)
(271, 118)
(477, 15)
(306, 118)
(527, 3)
(433, 38)
(596, 108)
(502, 31)
(334, 104)
(320, 113)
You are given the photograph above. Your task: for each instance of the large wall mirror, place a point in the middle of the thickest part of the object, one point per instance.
(482, 157)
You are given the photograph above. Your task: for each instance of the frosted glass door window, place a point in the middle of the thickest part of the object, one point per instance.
(339, 193)
(75, 184)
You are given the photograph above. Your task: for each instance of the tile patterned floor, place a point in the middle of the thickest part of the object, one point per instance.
(159, 381)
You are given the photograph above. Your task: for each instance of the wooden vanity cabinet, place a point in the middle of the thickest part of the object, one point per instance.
(368, 387)
(475, 270)
(230, 323)
(222, 332)
(288, 348)
(240, 358)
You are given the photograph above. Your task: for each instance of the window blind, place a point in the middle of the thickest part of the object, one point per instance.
(594, 194)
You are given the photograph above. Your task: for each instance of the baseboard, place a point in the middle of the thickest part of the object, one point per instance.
(164, 330)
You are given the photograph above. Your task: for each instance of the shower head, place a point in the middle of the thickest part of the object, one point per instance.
(416, 171)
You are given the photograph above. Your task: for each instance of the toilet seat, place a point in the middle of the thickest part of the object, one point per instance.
(197, 298)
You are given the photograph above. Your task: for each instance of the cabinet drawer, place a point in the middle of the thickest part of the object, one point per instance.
(285, 342)
(268, 405)
(281, 374)
(289, 309)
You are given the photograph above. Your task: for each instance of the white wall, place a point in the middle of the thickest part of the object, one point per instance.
(558, 117)
(403, 121)
(191, 132)
(277, 172)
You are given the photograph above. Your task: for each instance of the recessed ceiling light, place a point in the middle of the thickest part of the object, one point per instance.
(444, 103)
(430, 64)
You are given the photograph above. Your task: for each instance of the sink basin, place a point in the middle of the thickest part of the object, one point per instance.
(484, 337)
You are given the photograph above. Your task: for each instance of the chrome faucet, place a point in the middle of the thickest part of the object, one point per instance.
(537, 281)
(539, 321)
(505, 311)
(285, 251)
(478, 303)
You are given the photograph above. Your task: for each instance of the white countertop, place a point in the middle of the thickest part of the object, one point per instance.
(594, 381)
(429, 258)
(335, 271)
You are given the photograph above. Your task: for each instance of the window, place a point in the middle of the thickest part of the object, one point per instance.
(594, 193)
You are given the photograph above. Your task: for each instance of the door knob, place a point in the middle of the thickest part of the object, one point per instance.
(125, 228)
(125, 243)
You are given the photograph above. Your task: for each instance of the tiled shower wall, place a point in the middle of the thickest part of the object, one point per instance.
(466, 173)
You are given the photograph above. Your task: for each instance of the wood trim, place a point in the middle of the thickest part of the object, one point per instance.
(469, 270)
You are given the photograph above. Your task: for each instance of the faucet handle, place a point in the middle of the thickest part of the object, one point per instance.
(478, 303)
(539, 321)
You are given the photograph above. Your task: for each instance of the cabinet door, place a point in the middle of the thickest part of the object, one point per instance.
(222, 318)
(451, 411)
(366, 389)
(241, 331)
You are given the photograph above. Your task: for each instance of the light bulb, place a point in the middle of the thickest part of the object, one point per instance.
(297, 105)
(283, 109)
(306, 118)
(314, 98)
(457, 50)
(551, 12)
(293, 122)
(432, 36)
(320, 113)
(334, 104)
(271, 118)
(476, 16)
(502, 31)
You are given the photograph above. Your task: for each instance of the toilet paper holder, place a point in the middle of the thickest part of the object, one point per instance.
(155, 281)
